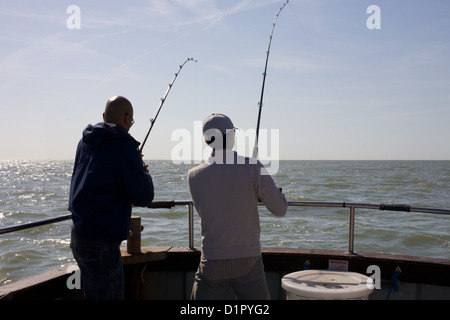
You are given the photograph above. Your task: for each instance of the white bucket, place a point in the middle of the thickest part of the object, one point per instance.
(327, 285)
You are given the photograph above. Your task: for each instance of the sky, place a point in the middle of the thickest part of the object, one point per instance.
(343, 82)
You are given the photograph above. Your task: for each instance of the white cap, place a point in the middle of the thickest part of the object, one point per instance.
(219, 122)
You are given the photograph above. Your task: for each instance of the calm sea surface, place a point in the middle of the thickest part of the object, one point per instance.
(36, 190)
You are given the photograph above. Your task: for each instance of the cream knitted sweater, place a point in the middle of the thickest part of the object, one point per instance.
(225, 195)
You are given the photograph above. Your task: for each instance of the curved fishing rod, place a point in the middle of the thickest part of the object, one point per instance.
(255, 148)
(163, 99)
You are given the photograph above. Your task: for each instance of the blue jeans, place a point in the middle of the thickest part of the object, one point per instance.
(101, 268)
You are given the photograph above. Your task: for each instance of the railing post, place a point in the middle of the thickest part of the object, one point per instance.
(191, 225)
(351, 231)
(134, 240)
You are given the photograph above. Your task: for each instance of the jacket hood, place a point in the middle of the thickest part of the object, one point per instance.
(103, 133)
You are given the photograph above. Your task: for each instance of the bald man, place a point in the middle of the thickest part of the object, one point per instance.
(108, 178)
(119, 111)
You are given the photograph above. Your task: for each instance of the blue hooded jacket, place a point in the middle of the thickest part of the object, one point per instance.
(108, 178)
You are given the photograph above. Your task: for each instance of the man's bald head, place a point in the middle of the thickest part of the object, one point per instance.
(119, 110)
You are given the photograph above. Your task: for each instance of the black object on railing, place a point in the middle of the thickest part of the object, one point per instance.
(395, 207)
(161, 205)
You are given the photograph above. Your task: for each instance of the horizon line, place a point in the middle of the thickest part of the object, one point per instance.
(196, 161)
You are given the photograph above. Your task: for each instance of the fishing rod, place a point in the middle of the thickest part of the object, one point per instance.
(260, 104)
(163, 99)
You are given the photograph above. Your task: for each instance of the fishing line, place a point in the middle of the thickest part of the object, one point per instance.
(260, 104)
(163, 99)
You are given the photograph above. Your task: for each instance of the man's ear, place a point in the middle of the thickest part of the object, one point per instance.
(211, 140)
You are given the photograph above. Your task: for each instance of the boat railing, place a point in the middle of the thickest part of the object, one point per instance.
(352, 211)
(169, 204)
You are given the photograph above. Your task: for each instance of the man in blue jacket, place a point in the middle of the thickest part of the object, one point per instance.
(109, 177)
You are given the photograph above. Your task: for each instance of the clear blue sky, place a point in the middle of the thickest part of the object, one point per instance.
(335, 89)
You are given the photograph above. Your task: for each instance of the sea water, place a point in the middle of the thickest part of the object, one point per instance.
(37, 190)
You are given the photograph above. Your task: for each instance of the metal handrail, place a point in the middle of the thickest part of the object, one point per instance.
(352, 206)
(34, 224)
(169, 204)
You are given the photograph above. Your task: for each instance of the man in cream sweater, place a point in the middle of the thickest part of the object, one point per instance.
(225, 191)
